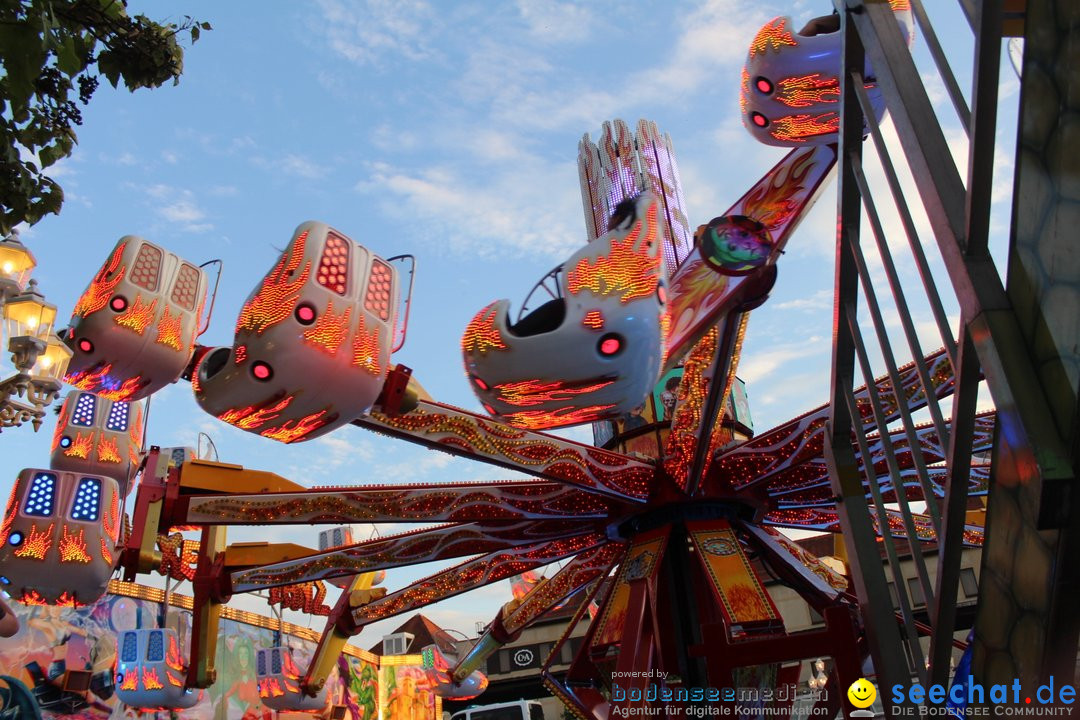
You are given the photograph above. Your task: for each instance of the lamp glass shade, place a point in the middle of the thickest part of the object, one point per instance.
(54, 361)
(16, 264)
(28, 314)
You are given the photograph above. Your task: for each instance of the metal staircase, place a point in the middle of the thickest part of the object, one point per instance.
(1018, 333)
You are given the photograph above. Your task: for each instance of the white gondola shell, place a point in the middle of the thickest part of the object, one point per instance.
(312, 344)
(133, 330)
(99, 436)
(58, 538)
(790, 91)
(279, 682)
(151, 671)
(467, 689)
(439, 666)
(595, 350)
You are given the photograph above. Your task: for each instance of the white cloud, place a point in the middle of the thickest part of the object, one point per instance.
(302, 166)
(763, 363)
(390, 137)
(179, 206)
(368, 32)
(291, 164)
(556, 22)
(500, 216)
(419, 464)
(330, 459)
(579, 433)
(820, 300)
(713, 36)
(182, 211)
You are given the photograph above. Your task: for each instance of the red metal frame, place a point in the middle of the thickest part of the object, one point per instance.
(587, 505)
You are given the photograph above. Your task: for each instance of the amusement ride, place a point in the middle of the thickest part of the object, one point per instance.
(660, 535)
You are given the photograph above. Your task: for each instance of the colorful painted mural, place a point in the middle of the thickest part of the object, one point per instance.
(407, 691)
(61, 664)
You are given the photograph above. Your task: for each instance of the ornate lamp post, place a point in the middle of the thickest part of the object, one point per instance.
(818, 680)
(39, 356)
(16, 263)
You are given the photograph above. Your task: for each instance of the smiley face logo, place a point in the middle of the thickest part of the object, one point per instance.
(862, 693)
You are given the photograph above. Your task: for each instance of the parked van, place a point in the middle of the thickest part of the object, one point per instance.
(517, 710)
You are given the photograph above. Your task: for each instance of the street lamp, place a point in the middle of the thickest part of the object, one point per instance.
(16, 263)
(28, 320)
(819, 680)
(52, 364)
(39, 356)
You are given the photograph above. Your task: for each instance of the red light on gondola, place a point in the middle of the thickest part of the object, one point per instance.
(610, 345)
(86, 346)
(763, 85)
(118, 303)
(261, 371)
(305, 314)
(480, 383)
(759, 119)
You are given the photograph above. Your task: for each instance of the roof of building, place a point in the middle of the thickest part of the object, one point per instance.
(423, 630)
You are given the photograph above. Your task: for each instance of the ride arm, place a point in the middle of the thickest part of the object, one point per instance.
(339, 630)
(516, 615)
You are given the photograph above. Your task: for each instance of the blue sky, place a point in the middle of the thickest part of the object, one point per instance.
(446, 130)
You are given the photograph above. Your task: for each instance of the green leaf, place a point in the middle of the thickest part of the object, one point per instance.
(48, 155)
(23, 58)
(112, 9)
(68, 58)
(47, 45)
(109, 66)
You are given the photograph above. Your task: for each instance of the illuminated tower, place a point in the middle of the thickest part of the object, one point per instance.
(623, 164)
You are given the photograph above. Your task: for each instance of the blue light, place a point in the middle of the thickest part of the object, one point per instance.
(86, 503)
(4, 579)
(15, 538)
(39, 501)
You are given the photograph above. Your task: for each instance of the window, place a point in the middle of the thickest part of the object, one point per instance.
(147, 267)
(87, 503)
(42, 495)
(498, 713)
(186, 287)
(155, 649)
(83, 415)
(275, 661)
(380, 283)
(968, 582)
(536, 712)
(334, 269)
(893, 596)
(130, 649)
(118, 417)
(915, 589)
(504, 661)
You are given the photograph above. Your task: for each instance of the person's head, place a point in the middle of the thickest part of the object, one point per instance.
(243, 652)
(672, 383)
